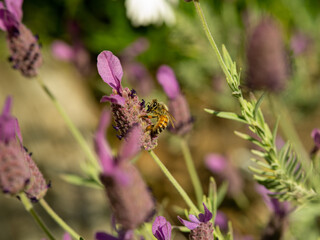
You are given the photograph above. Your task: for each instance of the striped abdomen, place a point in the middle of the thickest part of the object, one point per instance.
(162, 124)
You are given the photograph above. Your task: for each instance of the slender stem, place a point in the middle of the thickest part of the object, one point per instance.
(59, 220)
(192, 171)
(174, 182)
(28, 206)
(210, 38)
(73, 129)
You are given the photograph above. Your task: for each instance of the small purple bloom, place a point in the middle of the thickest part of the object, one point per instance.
(221, 221)
(178, 105)
(9, 127)
(62, 51)
(215, 163)
(201, 227)
(161, 228)
(110, 70)
(280, 209)
(222, 167)
(168, 81)
(315, 134)
(194, 221)
(300, 43)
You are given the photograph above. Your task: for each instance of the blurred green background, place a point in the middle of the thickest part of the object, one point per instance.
(98, 25)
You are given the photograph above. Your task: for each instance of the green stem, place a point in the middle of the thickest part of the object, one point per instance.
(28, 206)
(210, 38)
(174, 182)
(192, 171)
(73, 129)
(59, 220)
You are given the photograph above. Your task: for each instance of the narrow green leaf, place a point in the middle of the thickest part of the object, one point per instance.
(275, 130)
(258, 153)
(226, 115)
(257, 106)
(249, 138)
(221, 193)
(77, 180)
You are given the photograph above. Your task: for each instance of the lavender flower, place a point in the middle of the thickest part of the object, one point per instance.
(220, 166)
(23, 45)
(201, 227)
(221, 221)
(278, 220)
(129, 197)
(178, 105)
(161, 228)
(126, 107)
(76, 54)
(300, 43)
(18, 171)
(267, 65)
(315, 134)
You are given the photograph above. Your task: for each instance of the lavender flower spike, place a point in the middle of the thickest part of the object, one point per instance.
(23, 45)
(168, 81)
(18, 172)
(14, 172)
(201, 226)
(178, 105)
(129, 197)
(161, 228)
(126, 107)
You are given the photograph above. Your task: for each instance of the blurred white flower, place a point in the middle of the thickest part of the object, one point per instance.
(147, 12)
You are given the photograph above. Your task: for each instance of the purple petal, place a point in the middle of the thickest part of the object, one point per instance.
(62, 51)
(116, 99)
(15, 6)
(8, 20)
(315, 134)
(67, 236)
(206, 217)
(221, 221)
(101, 146)
(2, 27)
(161, 228)
(188, 224)
(9, 126)
(193, 218)
(215, 163)
(168, 81)
(131, 145)
(104, 236)
(110, 70)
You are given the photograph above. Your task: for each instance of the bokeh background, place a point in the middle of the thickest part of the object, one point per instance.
(89, 27)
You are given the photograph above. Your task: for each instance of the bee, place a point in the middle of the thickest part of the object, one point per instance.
(160, 112)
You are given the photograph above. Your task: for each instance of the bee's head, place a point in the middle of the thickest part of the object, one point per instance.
(152, 105)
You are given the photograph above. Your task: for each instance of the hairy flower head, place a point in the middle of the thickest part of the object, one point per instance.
(126, 107)
(23, 45)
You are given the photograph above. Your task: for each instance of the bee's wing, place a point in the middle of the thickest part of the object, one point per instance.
(172, 119)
